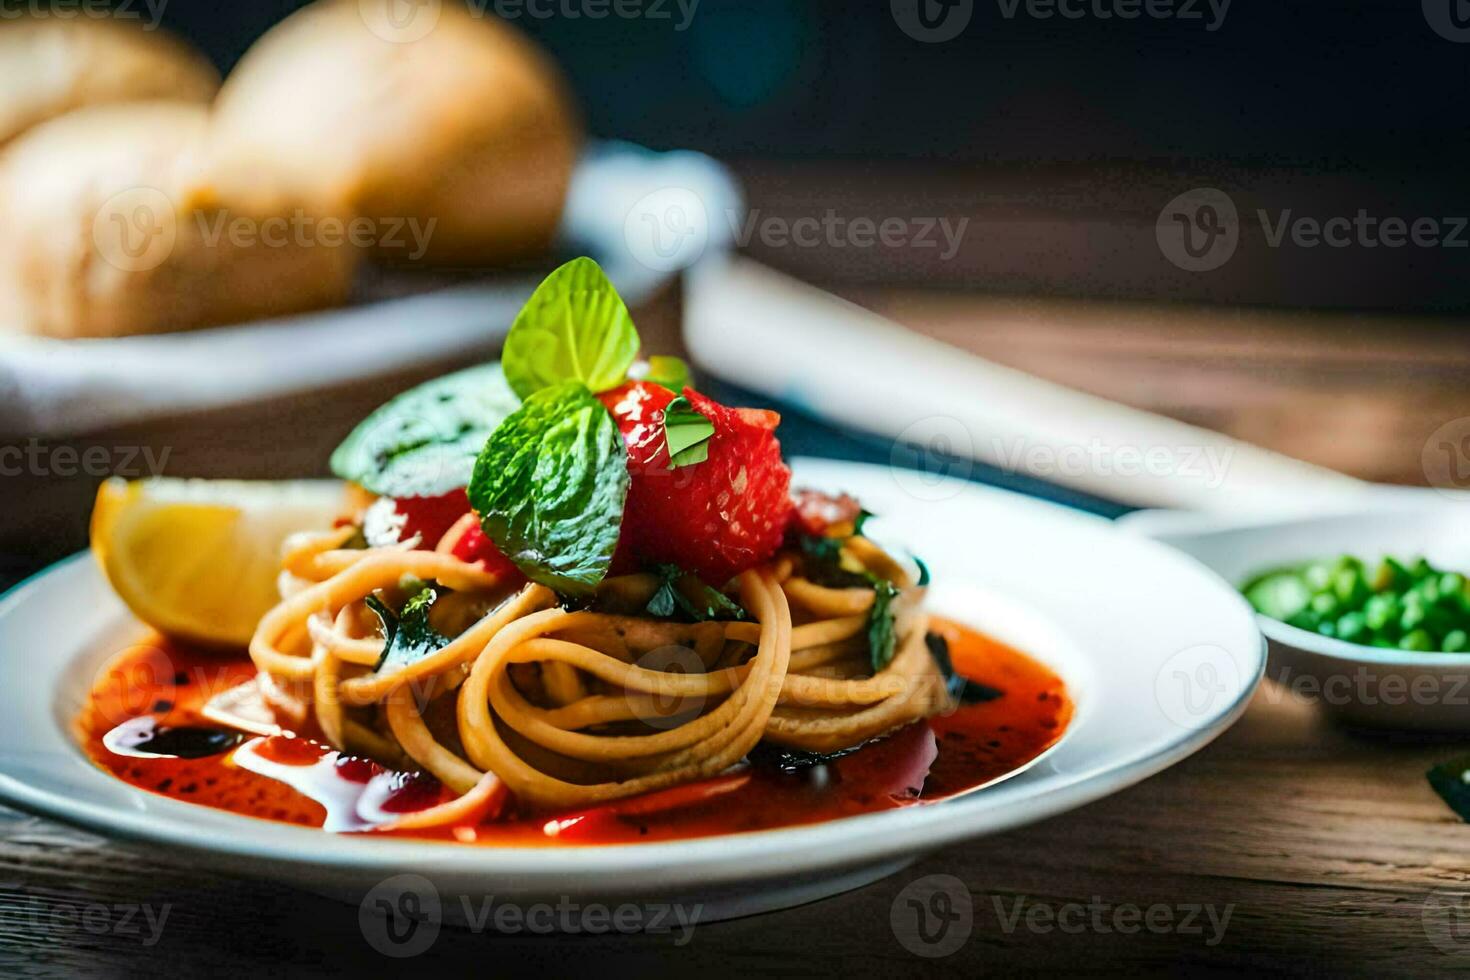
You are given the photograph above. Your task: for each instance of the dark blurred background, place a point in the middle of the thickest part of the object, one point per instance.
(1060, 137)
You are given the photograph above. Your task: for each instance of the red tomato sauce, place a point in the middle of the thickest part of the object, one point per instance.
(151, 694)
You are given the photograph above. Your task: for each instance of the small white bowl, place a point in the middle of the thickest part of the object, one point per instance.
(1358, 685)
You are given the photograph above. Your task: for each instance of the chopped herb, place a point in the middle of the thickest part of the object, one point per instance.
(686, 433)
(882, 626)
(682, 592)
(408, 637)
(960, 688)
(824, 564)
(1451, 780)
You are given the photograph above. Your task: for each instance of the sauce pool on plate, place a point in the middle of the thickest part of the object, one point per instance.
(143, 724)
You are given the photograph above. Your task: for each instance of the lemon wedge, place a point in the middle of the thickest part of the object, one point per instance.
(198, 559)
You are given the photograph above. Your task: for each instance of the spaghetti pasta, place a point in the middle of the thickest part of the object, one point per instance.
(568, 707)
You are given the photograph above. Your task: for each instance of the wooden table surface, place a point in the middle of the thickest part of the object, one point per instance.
(1286, 845)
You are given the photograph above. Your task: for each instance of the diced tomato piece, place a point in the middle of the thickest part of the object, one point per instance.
(718, 517)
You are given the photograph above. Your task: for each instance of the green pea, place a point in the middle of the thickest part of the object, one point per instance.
(1452, 583)
(1391, 575)
(1412, 618)
(1455, 641)
(1324, 604)
(1305, 620)
(1381, 610)
(1352, 627)
(1419, 640)
(1318, 576)
(1350, 587)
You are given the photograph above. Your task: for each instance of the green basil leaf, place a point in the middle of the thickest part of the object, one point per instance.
(882, 626)
(575, 327)
(408, 637)
(823, 565)
(686, 433)
(550, 487)
(424, 442)
(684, 592)
(667, 372)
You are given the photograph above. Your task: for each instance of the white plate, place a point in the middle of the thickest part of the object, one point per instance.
(1161, 656)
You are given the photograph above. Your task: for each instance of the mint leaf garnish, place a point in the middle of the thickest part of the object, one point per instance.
(550, 486)
(882, 626)
(408, 637)
(424, 442)
(683, 592)
(687, 433)
(575, 327)
(667, 372)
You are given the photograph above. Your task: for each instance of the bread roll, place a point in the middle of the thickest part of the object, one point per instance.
(441, 116)
(113, 222)
(49, 66)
